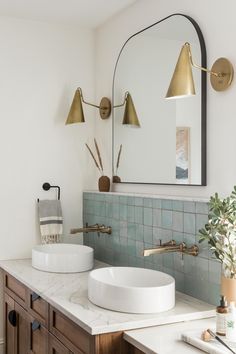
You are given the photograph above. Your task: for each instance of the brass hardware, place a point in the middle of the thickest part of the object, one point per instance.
(171, 246)
(182, 84)
(93, 228)
(130, 116)
(76, 113)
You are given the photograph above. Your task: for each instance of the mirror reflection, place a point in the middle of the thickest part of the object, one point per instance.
(167, 147)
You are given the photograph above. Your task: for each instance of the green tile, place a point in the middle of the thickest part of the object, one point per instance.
(108, 210)
(115, 199)
(202, 208)
(189, 266)
(147, 216)
(156, 216)
(156, 235)
(201, 220)
(156, 203)
(108, 197)
(178, 221)
(189, 207)
(123, 212)
(166, 204)
(158, 259)
(131, 231)
(148, 265)
(189, 239)
(166, 219)
(214, 293)
(139, 232)
(202, 269)
(178, 237)
(168, 260)
(116, 211)
(132, 261)
(179, 281)
(189, 223)
(131, 247)
(147, 202)
(130, 200)
(148, 234)
(123, 199)
(139, 262)
(139, 249)
(138, 201)
(178, 262)
(102, 209)
(130, 212)
(123, 244)
(168, 271)
(123, 229)
(215, 268)
(138, 215)
(166, 235)
(178, 205)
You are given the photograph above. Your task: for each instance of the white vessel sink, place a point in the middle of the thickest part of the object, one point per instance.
(134, 290)
(62, 258)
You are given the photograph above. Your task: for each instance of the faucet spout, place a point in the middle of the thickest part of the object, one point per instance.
(171, 246)
(93, 228)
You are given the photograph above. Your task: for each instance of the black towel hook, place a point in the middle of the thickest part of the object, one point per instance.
(46, 186)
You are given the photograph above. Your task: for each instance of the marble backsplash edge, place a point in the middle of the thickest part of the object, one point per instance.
(140, 222)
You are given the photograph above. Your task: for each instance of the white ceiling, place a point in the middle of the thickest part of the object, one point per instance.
(84, 13)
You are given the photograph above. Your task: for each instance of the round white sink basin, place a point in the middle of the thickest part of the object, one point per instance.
(62, 258)
(134, 290)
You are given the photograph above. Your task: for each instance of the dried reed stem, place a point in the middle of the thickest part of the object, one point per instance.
(91, 153)
(98, 153)
(118, 158)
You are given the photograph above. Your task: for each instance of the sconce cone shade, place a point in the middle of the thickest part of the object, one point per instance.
(182, 83)
(76, 114)
(130, 115)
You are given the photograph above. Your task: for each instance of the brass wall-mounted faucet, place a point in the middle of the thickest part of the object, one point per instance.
(171, 246)
(93, 228)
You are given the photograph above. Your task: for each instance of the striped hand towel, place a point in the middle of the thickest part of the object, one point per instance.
(50, 220)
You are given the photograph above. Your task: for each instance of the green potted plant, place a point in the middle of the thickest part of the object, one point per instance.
(220, 233)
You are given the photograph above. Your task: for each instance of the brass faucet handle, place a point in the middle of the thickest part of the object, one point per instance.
(192, 251)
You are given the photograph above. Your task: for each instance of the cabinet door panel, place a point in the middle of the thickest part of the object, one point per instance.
(38, 308)
(23, 321)
(9, 329)
(56, 347)
(38, 335)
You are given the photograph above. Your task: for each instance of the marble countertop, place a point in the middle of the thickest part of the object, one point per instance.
(166, 339)
(69, 294)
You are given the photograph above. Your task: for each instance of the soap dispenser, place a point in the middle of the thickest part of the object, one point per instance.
(231, 323)
(221, 313)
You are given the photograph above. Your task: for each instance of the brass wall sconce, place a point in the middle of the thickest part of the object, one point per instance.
(182, 83)
(76, 113)
(130, 116)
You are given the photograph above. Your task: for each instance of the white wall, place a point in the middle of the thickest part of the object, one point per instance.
(41, 66)
(219, 33)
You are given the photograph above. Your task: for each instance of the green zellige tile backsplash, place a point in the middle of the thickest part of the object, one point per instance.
(141, 222)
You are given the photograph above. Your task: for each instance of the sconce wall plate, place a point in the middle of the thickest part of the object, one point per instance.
(105, 108)
(221, 83)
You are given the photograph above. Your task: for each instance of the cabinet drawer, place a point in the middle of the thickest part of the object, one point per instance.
(56, 347)
(15, 289)
(74, 337)
(38, 308)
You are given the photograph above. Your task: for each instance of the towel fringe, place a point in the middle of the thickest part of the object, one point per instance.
(50, 239)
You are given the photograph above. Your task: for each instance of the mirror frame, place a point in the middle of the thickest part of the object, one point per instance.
(203, 103)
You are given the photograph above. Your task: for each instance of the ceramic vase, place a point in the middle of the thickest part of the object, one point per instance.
(228, 288)
(116, 179)
(104, 184)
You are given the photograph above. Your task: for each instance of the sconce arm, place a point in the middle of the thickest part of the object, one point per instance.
(82, 98)
(122, 104)
(200, 67)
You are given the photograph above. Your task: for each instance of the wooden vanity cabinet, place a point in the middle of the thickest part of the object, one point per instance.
(32, 326)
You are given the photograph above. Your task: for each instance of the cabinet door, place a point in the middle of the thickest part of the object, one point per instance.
(22, 330)
(9, 325)
(56, 347)
(38, 337)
